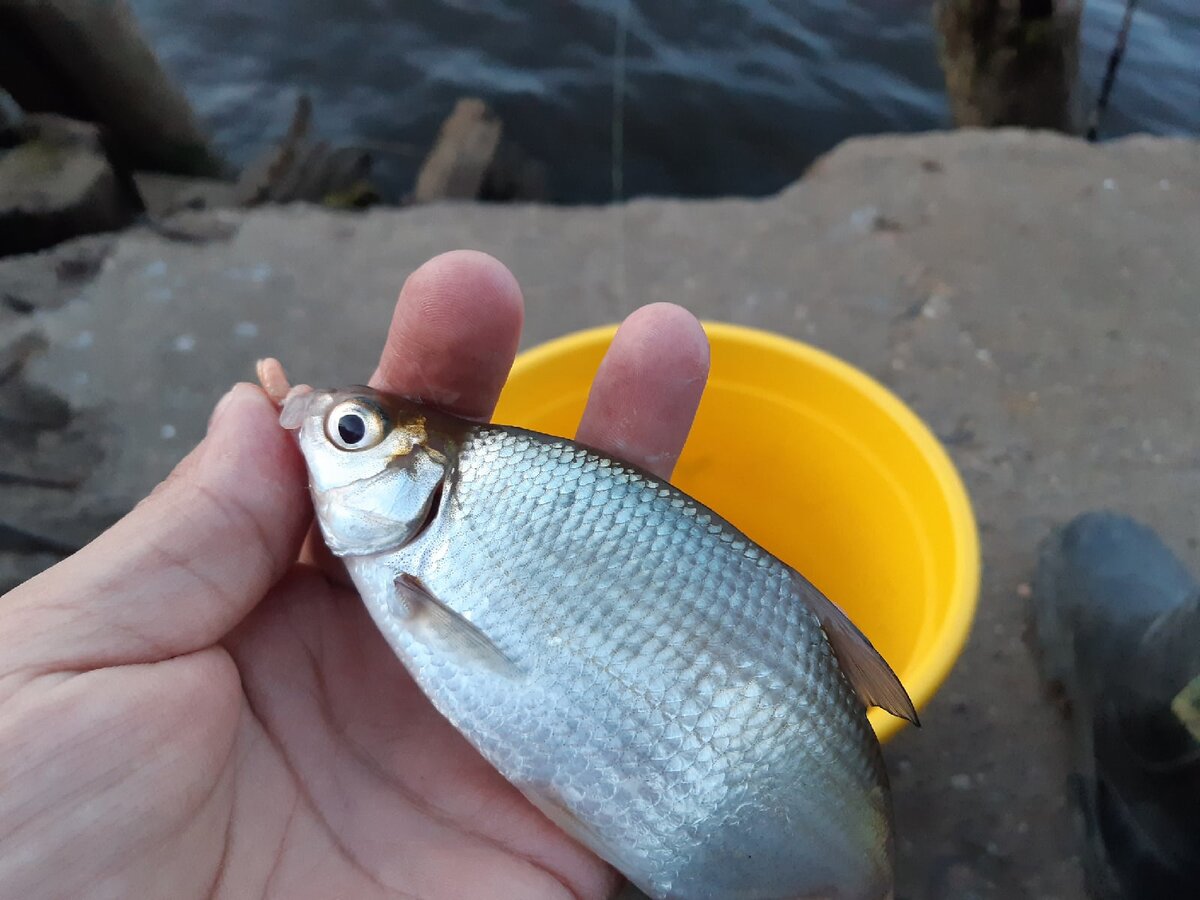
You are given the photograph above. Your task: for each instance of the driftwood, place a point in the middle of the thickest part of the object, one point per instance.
(457, 165)
(1011, 62)
(300, 168)
(87, 60)
(471, 160)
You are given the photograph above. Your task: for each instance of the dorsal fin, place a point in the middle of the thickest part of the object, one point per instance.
(867, 671)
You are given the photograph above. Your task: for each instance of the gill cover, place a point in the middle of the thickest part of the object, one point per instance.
(384, 511)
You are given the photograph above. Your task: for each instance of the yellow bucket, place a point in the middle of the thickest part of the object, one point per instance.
(822, 466)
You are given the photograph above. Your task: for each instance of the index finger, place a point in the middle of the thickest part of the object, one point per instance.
(454, 334)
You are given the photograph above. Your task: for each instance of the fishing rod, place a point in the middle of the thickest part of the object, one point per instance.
(1110, 72)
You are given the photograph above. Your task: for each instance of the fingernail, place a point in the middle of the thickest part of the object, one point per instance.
(222, 405)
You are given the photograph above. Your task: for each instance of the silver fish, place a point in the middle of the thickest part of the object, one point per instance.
(666, 691)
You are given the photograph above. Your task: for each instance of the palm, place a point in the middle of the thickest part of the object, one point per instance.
(367, 778)
(315, 768)
(185, 711)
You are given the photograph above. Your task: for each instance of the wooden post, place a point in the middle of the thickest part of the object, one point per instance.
(472, 160)
(1011, 62)
(466, 147)
(87, 59)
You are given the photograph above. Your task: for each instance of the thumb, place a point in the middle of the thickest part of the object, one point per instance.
(184, 567)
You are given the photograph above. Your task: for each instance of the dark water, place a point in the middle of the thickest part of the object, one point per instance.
(721, 96)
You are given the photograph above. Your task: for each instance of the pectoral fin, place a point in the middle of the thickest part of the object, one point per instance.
(424, 610)
(868, 672)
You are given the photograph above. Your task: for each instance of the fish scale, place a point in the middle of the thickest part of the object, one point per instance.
(659, 685)
(672, 638)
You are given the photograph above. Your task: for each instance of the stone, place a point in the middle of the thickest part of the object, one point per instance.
(58, 185)
(165, 195)
(1083, 297)
(35, 282)
(88, 60)
(9, 113)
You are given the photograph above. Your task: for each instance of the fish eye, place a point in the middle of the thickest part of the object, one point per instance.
(354, 425)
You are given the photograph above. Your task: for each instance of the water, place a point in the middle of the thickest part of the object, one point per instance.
(721, 96)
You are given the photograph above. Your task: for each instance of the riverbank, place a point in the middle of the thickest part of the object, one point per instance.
(732, 98)
(1031, 296)
(62, 178)
(652, 101)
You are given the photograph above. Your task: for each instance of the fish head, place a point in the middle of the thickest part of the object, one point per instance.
(376, 463)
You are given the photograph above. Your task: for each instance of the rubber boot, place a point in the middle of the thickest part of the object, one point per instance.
(1116, 618)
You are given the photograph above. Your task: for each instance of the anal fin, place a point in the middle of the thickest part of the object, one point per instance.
(423, 609)
(867, 671)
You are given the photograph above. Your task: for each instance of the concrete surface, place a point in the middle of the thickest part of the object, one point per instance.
(1034, 298)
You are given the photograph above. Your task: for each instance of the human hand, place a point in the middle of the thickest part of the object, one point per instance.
(192, 706)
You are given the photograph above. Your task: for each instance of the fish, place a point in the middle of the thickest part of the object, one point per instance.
(666, 691)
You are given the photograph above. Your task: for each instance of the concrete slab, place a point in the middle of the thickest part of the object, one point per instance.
(1034, 298)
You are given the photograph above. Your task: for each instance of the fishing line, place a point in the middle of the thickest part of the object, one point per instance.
(618, 146)
(1110, 73)
(618, 117)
